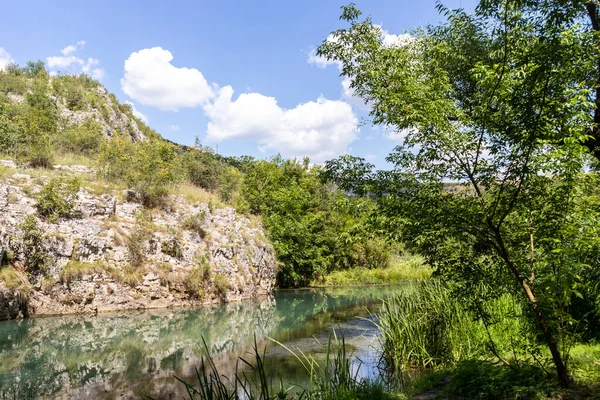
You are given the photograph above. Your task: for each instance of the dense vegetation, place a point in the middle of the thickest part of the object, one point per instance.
(503, 102)
(314, 228)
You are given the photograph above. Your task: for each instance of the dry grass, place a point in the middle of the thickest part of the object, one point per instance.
(196, 195)
(76, 269)
(14, 279)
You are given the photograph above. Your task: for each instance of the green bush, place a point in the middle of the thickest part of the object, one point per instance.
(172, 247)
(196, 223)
(150, 168)
(57, 198)
(196, 283)
(85, 139)
(202, 167)
(36, 258)
(222, 285)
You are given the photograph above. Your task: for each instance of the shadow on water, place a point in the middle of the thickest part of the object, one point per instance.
(132, 354)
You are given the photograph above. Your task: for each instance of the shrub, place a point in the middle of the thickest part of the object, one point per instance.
(57, 198)
(36, 259)
(142, 232)
(172, 247)
(230, 183)
(83, 139)
(202, 167)
(222, 285)
(196, 223)
(150, 168)
(197, 280)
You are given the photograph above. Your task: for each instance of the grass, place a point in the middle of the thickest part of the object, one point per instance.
(425, 327)
(486, 379)
(401, 269)
(195, 195)
(76, 269)
(333, 379)
(14, 279)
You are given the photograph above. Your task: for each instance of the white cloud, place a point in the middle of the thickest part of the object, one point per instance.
(320, 129)
(151, 79)
(90, 69)
(5, 58)
(70, 63)
(173, 127)
(137, 113)
(72, 48)
(391, 40)
(56, 62)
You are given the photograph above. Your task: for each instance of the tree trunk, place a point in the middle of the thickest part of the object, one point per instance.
(549, 336)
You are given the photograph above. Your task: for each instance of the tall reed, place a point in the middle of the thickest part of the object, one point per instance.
(425, 326)
(336, 378)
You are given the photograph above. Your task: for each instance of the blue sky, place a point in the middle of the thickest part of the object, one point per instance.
(184, 65)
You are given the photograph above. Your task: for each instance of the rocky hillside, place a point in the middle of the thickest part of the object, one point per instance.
(110, 253)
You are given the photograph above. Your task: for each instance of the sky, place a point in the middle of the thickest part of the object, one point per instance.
(240, 75)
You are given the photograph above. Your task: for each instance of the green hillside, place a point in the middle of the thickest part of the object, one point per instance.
(68, 120)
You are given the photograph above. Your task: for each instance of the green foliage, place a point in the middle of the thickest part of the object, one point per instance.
(36, 259)
(230, 183)
(427, 327)
(401, 269)
(222, 285)
(150, 168)
(85, 139)
(71, 90)
(172, 247)
(140, 234)
(202, 166)
(196, 283)
(314, 230)
(196, 223)
(501, 101)
(57, 198)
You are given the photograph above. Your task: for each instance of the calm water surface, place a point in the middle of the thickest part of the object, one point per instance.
(135, 354)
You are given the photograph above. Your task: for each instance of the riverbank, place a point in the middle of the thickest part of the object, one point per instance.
(401, 269)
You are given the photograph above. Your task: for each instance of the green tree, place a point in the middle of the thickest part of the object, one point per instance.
(500, 103)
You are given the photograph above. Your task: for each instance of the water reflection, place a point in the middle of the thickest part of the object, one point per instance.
(133, 354)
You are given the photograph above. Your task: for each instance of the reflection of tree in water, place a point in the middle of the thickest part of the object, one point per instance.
(137, 353)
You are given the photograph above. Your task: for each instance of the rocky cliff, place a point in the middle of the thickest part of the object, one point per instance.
(114, 255)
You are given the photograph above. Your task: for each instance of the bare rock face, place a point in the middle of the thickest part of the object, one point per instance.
(115, 256)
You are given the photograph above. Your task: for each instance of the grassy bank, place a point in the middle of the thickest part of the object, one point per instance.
(434, 344)
(401, 269)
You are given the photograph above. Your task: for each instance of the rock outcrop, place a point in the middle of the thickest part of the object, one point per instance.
(115, 255)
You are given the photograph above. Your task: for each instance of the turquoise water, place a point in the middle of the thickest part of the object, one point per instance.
(136, 354)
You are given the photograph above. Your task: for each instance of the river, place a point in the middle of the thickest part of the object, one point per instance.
(135, 354)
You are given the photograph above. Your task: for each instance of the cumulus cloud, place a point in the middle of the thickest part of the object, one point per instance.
(151, 79)
(5, 58)
(72, 48)
(137, 113)
(320, 129)
(71, 63)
